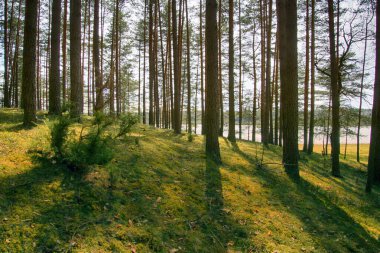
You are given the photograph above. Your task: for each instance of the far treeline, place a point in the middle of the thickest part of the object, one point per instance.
(178, 64)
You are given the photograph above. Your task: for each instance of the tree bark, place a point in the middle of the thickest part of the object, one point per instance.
(75, 61)
(29, 62)
(201, 60)
(6, 84)
(268, 97)
(287, 21)
(54, 81)
(212, 96)
(144, 65)
(231, 64)
(373, 159)
(240, 78)
(189, 130)
(306, 88)
(264, 129)
(361, 96)
(220, 81)
(254, 107)
(151, 65)
(177, 81)
(64, 52)
(335, 133)
(98, 82)
(312, 81)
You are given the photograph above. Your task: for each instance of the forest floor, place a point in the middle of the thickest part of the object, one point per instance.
(161, 194)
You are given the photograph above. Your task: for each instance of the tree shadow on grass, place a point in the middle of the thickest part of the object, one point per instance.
(54, 207)
(218, 225)
(11, 120)
(329, 225)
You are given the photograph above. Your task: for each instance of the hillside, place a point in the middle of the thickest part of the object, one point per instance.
(160, 194)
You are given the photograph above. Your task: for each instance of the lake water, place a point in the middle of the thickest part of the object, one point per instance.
(318, 138)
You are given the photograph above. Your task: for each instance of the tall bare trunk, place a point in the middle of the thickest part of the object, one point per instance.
(29, 62)
(306, 90)
(212, 96)
(201, 60)
(312, 80)
(177, 81)
(335, 133)
(287, 21)
(75, 62)
(374, 159)
(361, 95)
(231, 64)
(64, 52)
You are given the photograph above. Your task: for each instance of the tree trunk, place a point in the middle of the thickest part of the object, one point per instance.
(112, 70)
(15, 65)
(264, 129)
(6, 84)
(201, 60)
(287, 21)
(151, 64)
(189, 130)
(64, 52)
(212, 96)
(276, 88)
(220, 81)
(306, 90)
(335, 133)
(29, 62)
(361, 96)
(373, 159)
(144, 65)
(231, 83)
(177, 81)
(54, 82)
(75, 63)
(240, 78)
(98, 82)
(155, 50)
(254, 108)
(268, 97)
(117, 58)
(312, 81)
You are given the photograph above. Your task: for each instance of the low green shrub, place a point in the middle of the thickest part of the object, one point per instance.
(126, 122)
(93, 145)
(59, 133)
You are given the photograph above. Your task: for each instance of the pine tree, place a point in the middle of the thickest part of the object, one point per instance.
(76, 102)
(287, 22)
(335, 133)
(212, 96)
(29, 62)
(374, 159)
(231, 63)
(54, 74)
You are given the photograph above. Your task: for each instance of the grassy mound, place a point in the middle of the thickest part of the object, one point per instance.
(160, 194)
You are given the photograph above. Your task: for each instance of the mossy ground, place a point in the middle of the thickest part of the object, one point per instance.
(161, 194)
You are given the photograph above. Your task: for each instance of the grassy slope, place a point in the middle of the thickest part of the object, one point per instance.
(161, 195)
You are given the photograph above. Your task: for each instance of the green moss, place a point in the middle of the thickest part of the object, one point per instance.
(160, 194)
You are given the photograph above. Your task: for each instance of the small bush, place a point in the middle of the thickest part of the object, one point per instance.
(93, 146)
(190, 137)
(59, 132)
(126, 123)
